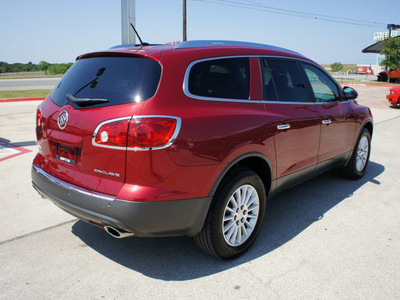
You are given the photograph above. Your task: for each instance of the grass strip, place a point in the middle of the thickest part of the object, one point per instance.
(24, 94)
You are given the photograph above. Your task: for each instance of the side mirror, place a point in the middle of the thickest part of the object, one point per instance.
(349, 93)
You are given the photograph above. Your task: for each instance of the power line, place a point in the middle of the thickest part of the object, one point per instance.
(275, 10)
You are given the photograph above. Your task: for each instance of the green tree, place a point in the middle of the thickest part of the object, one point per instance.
(59, 68)
(43, 65)
(336, 66)
(391, 50)
(4, 66)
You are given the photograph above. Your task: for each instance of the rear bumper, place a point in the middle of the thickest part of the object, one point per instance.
(145, 219)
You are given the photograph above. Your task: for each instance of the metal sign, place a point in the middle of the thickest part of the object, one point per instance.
(379, 36)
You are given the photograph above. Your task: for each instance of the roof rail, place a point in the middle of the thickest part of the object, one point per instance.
(223, 43)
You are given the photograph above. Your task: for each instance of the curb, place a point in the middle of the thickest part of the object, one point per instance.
(22, 99)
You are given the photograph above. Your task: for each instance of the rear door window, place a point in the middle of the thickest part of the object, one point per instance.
(288, 82)
(119, 80)
(227, 78)
(269, 93)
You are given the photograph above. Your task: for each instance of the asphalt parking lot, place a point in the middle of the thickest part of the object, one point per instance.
(330, 238)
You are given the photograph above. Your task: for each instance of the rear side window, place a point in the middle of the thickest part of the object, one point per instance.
(221, 78)
(120, 80)
(288, 82)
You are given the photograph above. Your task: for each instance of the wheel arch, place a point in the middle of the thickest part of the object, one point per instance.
(368, 124)
(253, 161)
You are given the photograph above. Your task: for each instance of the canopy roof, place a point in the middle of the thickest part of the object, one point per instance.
(375, 48)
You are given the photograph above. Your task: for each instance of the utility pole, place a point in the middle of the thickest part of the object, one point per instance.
(184, 21)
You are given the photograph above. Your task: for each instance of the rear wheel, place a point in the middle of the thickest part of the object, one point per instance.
(382, 77)
(235, 216)
(357, 165)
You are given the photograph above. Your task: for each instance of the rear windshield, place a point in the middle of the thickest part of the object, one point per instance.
(119, 80)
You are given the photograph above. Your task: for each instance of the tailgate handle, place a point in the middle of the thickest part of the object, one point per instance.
(283, 127)
(326, 122)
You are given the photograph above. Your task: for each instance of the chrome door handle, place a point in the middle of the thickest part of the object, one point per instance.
(283, 126)
(326, 122)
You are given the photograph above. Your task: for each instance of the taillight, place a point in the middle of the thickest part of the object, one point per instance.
(113, 134)
(150, 132)
(39, 123)
(138, 133)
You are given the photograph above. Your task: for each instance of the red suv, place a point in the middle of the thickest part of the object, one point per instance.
(193, 139)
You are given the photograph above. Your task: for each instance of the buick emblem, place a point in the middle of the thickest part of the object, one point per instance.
(62, 119)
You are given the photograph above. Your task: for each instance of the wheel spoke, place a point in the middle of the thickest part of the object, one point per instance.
(230, 210)
(233, 200)
(228, 218)
(228, 226)
(230, 232)
(234, 236)
(244, 230)
(239, 235)
(249, 224)
(249, 195)
(253, 207)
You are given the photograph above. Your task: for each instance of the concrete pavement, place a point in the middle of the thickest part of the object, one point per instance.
(330, 238)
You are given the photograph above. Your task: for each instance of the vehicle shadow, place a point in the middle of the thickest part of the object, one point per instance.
(18, 144)
(178, 258)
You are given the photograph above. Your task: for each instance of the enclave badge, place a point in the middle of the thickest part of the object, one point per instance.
(62, 119)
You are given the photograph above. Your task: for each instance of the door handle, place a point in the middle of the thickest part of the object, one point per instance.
(326, 122)
(283, 126)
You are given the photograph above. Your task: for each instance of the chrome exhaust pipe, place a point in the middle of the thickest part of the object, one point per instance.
(116, 233)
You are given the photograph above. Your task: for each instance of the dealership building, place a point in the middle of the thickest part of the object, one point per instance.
(373, 67)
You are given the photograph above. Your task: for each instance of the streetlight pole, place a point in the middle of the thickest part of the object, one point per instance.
(184, 21)
(127, 18)
(391, 27)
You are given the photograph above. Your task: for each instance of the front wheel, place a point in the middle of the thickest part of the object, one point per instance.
(235, 216)
(357, 165)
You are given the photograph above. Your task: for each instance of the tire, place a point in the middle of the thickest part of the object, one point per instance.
(235, 216)
(357, 165)
(382, 77)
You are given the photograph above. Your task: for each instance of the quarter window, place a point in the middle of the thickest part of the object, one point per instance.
(221, 78)
(288, 82)
(323, 87)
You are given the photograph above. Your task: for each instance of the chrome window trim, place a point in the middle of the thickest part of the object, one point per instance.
(72, 187)
(190, 95)
(189, 67)
(173, 138)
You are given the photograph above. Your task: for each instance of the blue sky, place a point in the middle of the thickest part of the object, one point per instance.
(58, 31)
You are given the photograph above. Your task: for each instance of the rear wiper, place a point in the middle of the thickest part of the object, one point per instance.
(85, 100)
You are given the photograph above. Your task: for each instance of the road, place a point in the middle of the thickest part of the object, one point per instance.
(28, 84)
(329, 238)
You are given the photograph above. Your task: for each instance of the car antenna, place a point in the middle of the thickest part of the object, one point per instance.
(137, 34)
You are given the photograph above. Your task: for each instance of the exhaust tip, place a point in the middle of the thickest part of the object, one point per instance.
(116, 233)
